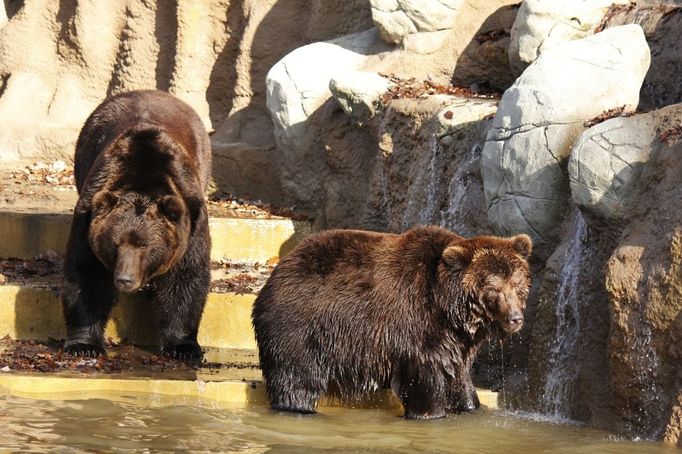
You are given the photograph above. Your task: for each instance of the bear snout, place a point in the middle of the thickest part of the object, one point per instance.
(124, 282)
(126, 275)
(515, 321)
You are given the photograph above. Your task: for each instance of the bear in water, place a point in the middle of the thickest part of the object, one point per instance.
(142, 164)
(349, 311)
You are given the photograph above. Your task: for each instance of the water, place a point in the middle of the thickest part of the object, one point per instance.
(563, 370)
(435, 178)
(95, 425)
(453, 217)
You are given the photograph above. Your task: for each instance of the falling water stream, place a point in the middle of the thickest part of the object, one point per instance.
(563, 370)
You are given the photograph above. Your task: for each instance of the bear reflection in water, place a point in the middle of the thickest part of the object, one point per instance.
(142, 165)
(348, 312)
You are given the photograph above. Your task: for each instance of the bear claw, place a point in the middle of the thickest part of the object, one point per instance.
(85, 350)
(183, 351)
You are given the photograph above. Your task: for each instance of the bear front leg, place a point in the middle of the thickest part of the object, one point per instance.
(463, 396)
(422, 393)
(180, 299)
(87, 298)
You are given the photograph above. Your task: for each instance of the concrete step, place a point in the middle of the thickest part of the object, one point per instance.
(31, 311)
(26, 234)
(226, 378)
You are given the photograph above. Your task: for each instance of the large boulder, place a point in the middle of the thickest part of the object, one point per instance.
(420, 25)
(662, 26)
(540, 116)
(541, 24)
(608, 159)
(299, 83)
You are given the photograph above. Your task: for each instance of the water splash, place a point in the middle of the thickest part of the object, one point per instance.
(563, 371)
(648, 407)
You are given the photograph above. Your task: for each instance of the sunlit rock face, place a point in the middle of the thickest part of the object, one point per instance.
(608, 160)
(418, 25)
(540, 116)
(662, 24)
(644, 286)
(542, 24)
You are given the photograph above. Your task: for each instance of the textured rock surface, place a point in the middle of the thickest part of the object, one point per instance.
(541, 24)
(539, 118)
(673, 432)
(421, 25)
(358, 92)
(324, 160)
(644, 285)
(607, 160)
(58, 60)
(485, 60)
(662, 26)
(428, 170)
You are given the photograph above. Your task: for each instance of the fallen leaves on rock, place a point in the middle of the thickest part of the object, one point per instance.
(222, 204)
(56, 173)
(32, 356)
(608, 114)
(19, 270)
(413, 88)
(672, 135)
(240, 284)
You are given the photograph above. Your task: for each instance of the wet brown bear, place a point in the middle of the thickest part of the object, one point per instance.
(348, 312)
(142, 164)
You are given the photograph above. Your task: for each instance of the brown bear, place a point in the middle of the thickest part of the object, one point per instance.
(349, 311)
(142, 165)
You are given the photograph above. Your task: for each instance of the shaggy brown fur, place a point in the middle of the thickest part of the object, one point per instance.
(348, 312)
(142, 165)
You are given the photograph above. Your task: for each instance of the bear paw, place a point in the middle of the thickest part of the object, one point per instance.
(183, 351)
(86, 350)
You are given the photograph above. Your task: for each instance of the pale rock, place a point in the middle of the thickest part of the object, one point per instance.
(299, 83)
(540, 116)
(358, 92)
(456, 116)
(420, 25)
(608, 160)
(541, 24)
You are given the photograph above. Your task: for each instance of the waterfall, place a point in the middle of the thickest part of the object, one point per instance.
(452, 217)
(562, 370)
(643, 352)
(428, 211)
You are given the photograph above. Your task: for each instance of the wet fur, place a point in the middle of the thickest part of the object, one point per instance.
(135, 153)
(348, 312)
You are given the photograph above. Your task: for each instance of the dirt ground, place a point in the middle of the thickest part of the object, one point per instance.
(48, 187)
(30, 356)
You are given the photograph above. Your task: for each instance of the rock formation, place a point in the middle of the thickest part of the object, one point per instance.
(539, 117)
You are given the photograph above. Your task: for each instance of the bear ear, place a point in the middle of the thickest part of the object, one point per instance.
(104, 200)
(522, 244)
(457, 257)
(171, 207)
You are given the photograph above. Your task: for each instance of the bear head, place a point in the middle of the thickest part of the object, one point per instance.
(493, 273)
(136, 236)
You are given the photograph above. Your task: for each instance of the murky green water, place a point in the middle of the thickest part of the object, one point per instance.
(97, 425)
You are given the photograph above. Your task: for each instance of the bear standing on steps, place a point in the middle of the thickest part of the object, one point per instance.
(142, 165)
(348, 312)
